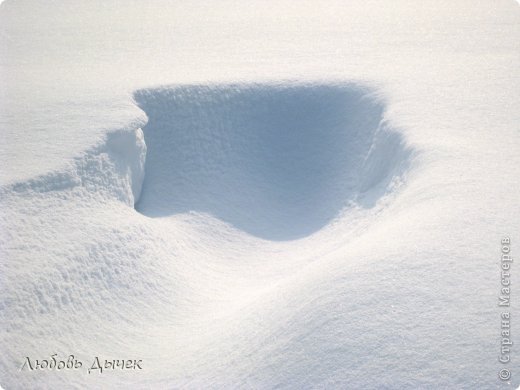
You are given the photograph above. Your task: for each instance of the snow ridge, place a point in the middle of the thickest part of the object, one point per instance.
(113, 168)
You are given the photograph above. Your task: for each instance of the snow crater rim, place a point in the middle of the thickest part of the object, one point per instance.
(278, 161)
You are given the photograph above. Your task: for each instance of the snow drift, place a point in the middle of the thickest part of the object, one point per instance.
(278, 161)
(388, 286)
(114, 168)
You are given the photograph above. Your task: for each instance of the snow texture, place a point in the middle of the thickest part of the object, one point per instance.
(259, 195)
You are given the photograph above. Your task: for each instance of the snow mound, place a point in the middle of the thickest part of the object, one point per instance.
(278, 161)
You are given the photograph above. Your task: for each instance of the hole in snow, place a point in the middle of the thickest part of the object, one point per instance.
(277, 161)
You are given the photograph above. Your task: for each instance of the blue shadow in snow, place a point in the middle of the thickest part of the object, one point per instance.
(277, 161)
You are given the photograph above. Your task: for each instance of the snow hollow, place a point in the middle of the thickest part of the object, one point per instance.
(278, 161)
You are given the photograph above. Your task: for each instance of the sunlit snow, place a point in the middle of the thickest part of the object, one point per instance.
(246, 194)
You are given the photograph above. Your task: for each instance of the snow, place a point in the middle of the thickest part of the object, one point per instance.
(258, 194)
(276, 161)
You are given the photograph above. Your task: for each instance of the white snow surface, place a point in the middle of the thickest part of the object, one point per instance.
(264, 195)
